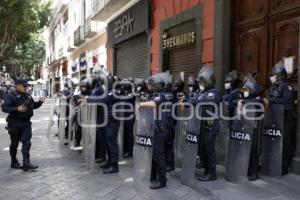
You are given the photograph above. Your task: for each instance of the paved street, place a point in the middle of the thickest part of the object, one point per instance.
(62, 175)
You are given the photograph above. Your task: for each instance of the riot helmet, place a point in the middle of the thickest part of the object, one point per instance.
(155, 84)
(85, 86)
(178, 85)
(192, 84)
(278, 73)
(250, 87)
(206, 78)
(231, 80)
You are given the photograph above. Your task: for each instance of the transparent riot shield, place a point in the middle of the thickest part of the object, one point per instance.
(180, 135)
(271, 141)
(88, 122)
(190, 149)
(121, 134)
(71, 131)
(143, 148)
(62, 119)
(51, 118)
(240, 140)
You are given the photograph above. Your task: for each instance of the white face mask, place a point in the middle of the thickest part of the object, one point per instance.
(227, 86)
(191, 89)
(246, 94)
(201, 87)
(273, 79)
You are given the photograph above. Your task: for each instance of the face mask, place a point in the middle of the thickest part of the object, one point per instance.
(66, 88)
(201, 87)
(273, 79)
(191, 89)
(227, 86)
(246, 94)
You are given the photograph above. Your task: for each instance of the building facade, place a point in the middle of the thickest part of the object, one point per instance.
(74, 43)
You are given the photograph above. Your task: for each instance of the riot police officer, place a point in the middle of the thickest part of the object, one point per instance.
(85, 90)
(158, 100)
(112, 126)
(232, 92)
(19, 104)
(282, 93)
(210, 124)
(250, 94)
(98, 91)
(129, 99)
(177, 94)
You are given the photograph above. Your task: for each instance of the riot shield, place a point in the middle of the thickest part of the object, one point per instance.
(271, 141)
(51, 118)
(143, 148)
(71, 131)
(190, 149)
(222, 141)
(87, 119)
(240, 141)
(62, 119)
(121, 134)
(180, 135)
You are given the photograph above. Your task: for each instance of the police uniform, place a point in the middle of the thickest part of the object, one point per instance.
(101, 146)
(162, 133)
(208, 133)
(283, 94)
(128, 127)
(19, 124)
(110, 131)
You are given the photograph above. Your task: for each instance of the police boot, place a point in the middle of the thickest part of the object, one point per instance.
(169, 169)
(253, 177)
(113, 169)
(105, 165)
(27, 165)
(15, 164)
(155, 185)
(127, 155)
(208, 177)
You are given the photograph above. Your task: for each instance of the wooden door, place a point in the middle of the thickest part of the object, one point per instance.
(263, 33)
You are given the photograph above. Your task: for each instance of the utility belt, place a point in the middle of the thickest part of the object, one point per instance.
(210, 124)
(161, 127)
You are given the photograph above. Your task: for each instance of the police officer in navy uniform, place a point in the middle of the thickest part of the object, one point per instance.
(129, 98)
(232, 92)
(112, 127)
(210, 124)
(177, 94)
(250, 93)
(98, 91)
(85, 90)
(162, 130)
(19, 104)
(283, 94)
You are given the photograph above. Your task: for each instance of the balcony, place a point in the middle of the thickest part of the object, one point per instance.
(103, 9)
(70, 47)
(90, 28)
(79, 36)
(59, 9)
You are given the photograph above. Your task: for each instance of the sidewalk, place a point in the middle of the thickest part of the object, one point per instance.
(62, 175)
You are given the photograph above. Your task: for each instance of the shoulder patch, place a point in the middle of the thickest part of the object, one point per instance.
(290, 87)
(210, 95)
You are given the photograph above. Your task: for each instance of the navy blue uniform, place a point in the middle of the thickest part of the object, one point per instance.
(209, 130)
(161, 134)
(128, 127)
(18, 123)
(111, 128)
(101, 146)
(230, 99)
(283, 94)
